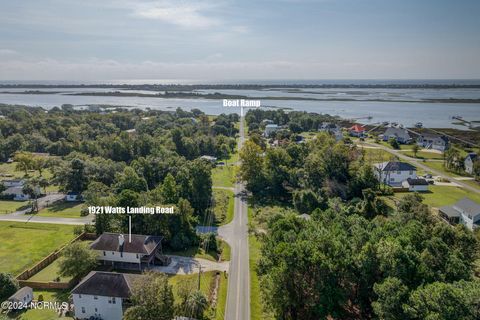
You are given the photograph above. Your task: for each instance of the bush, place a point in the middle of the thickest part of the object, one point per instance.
(77, 230)
(8, 286)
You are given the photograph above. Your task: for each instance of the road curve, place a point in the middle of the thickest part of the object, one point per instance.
(236, 235)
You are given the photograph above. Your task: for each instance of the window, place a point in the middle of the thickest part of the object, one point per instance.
(137, 255)
(104, 253)
(411, 172)
(392, 179)
(96, 310)
(113, 253)
(121, 254)
(113, 300)
(83, 309)
(95, 298)
(398, 172)
(80, 296)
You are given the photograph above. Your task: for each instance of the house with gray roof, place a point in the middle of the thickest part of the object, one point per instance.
(103, 295)
(465, 211)
(469, 162)
(22, 297)
(432, 141)
(394, 173)
(401, 135)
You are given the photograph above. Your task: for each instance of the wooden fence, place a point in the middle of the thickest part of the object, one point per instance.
(27, 274)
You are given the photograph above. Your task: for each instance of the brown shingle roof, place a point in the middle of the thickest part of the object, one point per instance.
(140, 243)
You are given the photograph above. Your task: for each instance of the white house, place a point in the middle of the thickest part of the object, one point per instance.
(464, 211)
(469, 162)
(433, 141)
(332, 129)
(269, 129)
(73, 197)
(102, 295)
(114, 248)
(13, 183)
(22, 297)
(209, 158)
(16, 193)
(416, 185)
(401, 135)
(393, 173)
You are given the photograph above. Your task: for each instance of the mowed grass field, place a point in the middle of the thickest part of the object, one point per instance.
(223, 176)
(44, 314)
(62, 209)
(50, 273)
(11, 206)
(24, 244)
(440, 196)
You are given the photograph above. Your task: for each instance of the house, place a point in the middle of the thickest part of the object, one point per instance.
(399, 134)
(115, 248)
(357, 131)
(269, 129)
(433, 141)
(73, 197)
(16, 193)
(22, 298)
(13, 183)
(393, 173)
(469, 162)
(267, 121)
(465, 211)
(332, 129)
(416, 185)
(103, 295)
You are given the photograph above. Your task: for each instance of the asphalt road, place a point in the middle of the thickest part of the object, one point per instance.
(23, 216)
(419, 164)
(236, 235)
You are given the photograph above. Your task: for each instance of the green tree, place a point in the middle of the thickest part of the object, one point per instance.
(394, 143)
(251, 167)
(392, 294)
(77, 260)
(415, 149)
(24, 162)
(169, 189)
(8, 285)
(152, 298)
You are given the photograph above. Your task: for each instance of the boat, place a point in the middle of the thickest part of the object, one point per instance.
(418, 125)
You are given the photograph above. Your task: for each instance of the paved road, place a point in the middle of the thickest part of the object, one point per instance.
(23, 216)
(419, 164)
(236, 235)
(187, 265)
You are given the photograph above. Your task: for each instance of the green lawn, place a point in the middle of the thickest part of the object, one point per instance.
(424, 155)
(24, 244)
(402, 146)
(437, 165)
(62, 209)
(9, 169)
(226, 251)
(11, 206)
(376, 155)
(223, 176)
(44, 314)
(50, 273)
(257, 305)
(221, 299)
(223, 209)
(444, 195)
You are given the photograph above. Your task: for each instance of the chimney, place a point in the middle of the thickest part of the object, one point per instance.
(121, 241)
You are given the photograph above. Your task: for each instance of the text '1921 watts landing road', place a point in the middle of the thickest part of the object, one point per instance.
(236, 234)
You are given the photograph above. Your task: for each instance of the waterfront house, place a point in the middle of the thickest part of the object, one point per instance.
(103, 295)
(333, 129)
(127, 251)
(393, 173)
(465, 211)
(401, 135)
(209, 158)
(357, 130)
(433, 141)
(416, 184)
(469, 162)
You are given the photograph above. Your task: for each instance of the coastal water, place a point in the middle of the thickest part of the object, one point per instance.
(404, 106)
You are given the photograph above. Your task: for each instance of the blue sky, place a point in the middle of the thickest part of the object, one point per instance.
(227, 39)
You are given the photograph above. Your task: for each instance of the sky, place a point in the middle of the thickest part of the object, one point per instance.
(244, 39)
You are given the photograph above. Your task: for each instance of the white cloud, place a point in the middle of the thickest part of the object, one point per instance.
(181, 13)
(4, 52)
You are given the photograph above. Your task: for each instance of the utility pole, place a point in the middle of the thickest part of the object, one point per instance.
(199, 275)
